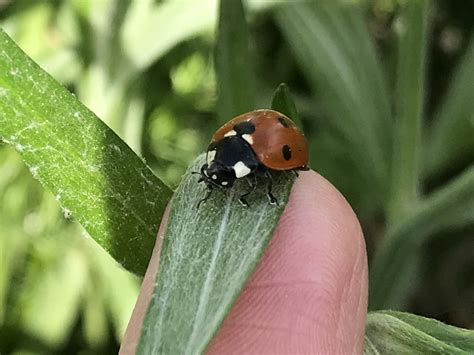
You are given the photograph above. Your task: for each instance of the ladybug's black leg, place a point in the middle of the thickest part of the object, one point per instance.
(203, 176)
(303, 168)
(204, 199)
(252, 180)
(201, 179)
(272, 198)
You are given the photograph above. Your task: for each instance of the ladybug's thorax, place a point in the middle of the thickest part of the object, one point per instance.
(228, 159)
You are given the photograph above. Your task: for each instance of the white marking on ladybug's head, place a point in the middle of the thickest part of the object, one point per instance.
(210, 156)
(240, 169)
(214, 177)
(224, 183)
(248, 138)
(230, 133)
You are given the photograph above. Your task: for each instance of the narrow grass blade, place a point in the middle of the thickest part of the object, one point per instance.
(450, 140)
(235, 78)
(390, 276)
(412, 29)
(94, 175)
(390, 332)
(206, 258)
(336, 54)
(283, 102)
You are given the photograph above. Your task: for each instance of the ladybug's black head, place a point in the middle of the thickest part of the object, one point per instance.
(217, 175)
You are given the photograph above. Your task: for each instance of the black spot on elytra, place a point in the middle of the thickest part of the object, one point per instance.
(286, 151)
(245, 127)
(283, 121)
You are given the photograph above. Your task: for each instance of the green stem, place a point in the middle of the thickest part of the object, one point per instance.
(235, 77)
(413, 27)
(390, 274)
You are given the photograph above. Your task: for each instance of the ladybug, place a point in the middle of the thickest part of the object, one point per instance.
(250, 144)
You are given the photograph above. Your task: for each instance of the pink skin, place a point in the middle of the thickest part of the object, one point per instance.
(309, 292)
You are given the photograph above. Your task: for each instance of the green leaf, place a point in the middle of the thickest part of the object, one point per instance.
(390, 276)
(12, 248)
(412, 26)
(94, 175)
(94, 318)
(56, 284)
(151, 30)
(104, 19)
(390, 332)
(207, 256)
(235, 77)
(283, 102)
(450, 139)
(335, 51)
(118, 288)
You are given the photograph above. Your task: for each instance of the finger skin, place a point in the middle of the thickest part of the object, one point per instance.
(308, 295)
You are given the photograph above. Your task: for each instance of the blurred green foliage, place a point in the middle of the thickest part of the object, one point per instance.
(147, 69)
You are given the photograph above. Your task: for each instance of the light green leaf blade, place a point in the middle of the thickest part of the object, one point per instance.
(150, 30)
(12, 248)
(56, 284)
(283, 102)
(450, 140)
(94, 319)
(335, 51)
(235, 78)
(94, 175)
(390, 277)
(412, 27)
(206, 258)
(118, 288)
(389, 332)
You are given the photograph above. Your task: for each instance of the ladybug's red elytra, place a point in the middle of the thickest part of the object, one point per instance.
(251, 144)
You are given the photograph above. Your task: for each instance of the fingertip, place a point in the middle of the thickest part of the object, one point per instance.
(309, 293)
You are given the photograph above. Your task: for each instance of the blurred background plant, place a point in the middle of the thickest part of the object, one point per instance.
(385, 90)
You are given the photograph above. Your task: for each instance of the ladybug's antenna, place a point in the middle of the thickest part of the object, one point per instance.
(204, 199)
